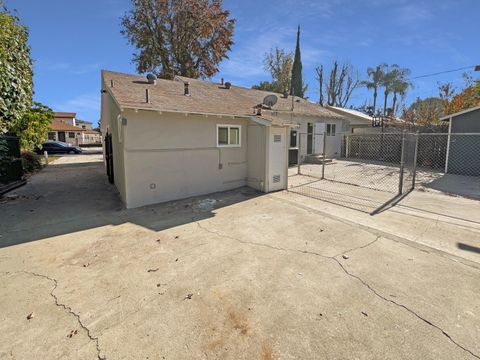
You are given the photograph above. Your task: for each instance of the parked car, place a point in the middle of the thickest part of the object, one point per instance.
(58, 147)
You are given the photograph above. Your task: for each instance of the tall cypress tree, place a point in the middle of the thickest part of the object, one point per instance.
(297, 81)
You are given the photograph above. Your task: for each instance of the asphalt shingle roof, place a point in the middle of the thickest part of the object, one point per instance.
(205, 97)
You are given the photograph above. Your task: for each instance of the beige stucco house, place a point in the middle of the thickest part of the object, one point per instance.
(67, 128)
(173, 139)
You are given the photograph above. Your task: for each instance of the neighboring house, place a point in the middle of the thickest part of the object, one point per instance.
(65, 127)
(173, 139)
(360, 123)
(463, 149)
(61, 131)
(87, 125)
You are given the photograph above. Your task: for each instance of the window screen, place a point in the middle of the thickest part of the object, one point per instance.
(222, 136)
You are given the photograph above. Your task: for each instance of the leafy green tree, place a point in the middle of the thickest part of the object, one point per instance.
(33, 127)
(16, 86)
(179, 37)
(374, 82)
(298, 86)
(424, 112)
(279, 64)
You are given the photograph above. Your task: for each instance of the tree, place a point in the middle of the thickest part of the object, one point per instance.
(16, 86)
(179, 37)
(400, 85)
(424, 112)
(386, 82)
(279, 63)
(298, 86)
(33, 127)
(467, 98)
(339, 86)
(375, 79)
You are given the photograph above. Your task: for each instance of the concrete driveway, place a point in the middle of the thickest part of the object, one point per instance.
(237, 275)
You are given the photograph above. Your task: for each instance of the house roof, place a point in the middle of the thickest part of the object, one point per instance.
(57, 125)
(91, 132)
(64, 114)
(447, 117)
(205, 97)
(83, 121)
(358, 116)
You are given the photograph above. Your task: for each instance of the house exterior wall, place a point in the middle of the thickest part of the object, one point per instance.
(256, 156)
(172, 156)
(111, 122)
(464, 150)
(334, 143)
(466, 123)
(53, 135)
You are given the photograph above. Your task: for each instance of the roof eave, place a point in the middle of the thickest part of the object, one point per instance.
(448, 117)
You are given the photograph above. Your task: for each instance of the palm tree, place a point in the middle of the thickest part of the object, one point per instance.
(387, 82)
(400, 85)
(375, 78)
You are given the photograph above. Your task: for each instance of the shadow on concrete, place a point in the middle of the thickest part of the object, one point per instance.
(466, 186)
(470, 248)
(68, 198)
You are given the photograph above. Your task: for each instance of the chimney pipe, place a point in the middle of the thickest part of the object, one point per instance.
(186, 90)
(222, 81)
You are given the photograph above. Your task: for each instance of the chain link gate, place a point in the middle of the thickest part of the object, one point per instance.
(366, 172)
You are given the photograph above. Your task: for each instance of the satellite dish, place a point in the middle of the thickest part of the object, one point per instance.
(270, 100)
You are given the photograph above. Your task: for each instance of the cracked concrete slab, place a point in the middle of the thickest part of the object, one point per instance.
(256, 277)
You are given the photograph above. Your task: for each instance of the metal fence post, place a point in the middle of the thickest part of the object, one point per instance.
(324, 150)
(417, 138)
(299, 155)
(347, 146)
(402, 165)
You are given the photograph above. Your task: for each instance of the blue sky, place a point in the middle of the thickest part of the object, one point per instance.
(73, 40)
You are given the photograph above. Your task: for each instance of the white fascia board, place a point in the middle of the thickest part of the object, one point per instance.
(448, 117)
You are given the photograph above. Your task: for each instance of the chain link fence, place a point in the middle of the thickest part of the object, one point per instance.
(370, 171)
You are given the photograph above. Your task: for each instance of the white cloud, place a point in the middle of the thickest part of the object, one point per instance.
(87, 106)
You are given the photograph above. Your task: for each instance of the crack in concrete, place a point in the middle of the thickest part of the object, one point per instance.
(418, 316)
(363, 282)
(70, 311)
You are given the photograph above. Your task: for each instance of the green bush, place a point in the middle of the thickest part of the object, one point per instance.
(31, 162)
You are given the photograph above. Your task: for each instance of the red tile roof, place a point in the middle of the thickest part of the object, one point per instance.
(60, 126)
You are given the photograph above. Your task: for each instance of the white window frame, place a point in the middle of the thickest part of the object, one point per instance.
(229, 126)
(331, 126)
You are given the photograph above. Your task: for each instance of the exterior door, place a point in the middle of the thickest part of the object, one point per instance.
(318, 136)
(61, 136)
(309, 138)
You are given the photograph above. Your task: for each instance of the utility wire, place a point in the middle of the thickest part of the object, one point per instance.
(442, 72)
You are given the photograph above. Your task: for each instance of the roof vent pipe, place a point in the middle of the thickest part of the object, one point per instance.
(222, 81)
(186, 91)
(152, 79)
(228, 85)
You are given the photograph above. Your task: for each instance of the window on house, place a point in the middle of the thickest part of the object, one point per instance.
(71, 135)
(331, 129)
(51, 136)
(228, 135)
